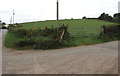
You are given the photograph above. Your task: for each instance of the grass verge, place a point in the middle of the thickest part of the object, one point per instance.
(11, 42)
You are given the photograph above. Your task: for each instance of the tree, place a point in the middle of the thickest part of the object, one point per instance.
(3, 23)
(0, 22)
(116, 16)
(104, 16)
(84, 17)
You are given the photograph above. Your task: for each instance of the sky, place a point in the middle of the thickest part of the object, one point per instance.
(40, 10)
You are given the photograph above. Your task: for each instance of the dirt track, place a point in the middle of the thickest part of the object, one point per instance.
(93, 59)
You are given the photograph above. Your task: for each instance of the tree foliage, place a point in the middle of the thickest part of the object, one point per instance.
(104, 16)
(117, 16)
(84, 17)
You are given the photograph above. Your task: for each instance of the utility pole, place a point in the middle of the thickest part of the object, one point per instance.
(57, 13)
(13, 16)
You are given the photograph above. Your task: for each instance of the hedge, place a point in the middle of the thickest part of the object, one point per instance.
(47, 38)
(111, 31)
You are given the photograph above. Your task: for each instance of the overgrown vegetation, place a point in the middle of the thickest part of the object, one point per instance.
(47, 38)
(35, 35)
(111, 32)
(107, 17)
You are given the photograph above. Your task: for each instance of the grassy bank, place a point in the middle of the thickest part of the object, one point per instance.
(83, 32)
(11, 41)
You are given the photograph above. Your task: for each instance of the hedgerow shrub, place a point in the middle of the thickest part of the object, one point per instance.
(47, 32)
(110, 32)
(47, 38)
(19, 32)
(47, 43)
(26, 42)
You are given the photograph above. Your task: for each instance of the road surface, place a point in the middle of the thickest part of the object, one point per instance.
(92, 59)
(0, 52)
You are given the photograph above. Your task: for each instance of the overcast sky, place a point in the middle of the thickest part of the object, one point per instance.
(37, 10)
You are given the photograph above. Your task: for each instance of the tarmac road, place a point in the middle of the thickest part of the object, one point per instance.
(92, 59)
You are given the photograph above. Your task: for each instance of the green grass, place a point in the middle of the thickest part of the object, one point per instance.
(75, 26)
(87, 28)
(11, 40)
(72, 23)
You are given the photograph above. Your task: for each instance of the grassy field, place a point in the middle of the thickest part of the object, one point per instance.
(83, 31)
(75, 23)
(77, 27)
